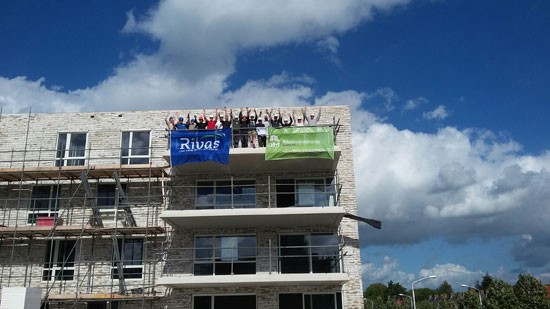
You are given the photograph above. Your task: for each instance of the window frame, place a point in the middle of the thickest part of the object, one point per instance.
(66, 158)
(337, 297)
(212, 304)
(314, 263)
(53, 201)
(51, 266)
(130, 265)
(127, 159)
(234, 184)
(328, 193)
(217, 261)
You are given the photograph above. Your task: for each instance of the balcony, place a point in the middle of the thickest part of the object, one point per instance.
(253, 217)
(235, 202)
(288, 149)
(243, 266)
(252, 160)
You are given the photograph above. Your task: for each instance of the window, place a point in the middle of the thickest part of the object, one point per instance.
(44, 203)
(131, 258)
(219, 194)
(310, 301)
(135, 147)
(225, 255)
(59, 260)
(306, 192)
(106, 195)
(102, 305)
(225, 302)
(310, 253)
(71, 149)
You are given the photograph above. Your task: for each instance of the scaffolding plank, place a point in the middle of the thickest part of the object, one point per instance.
(75, 230)
(73, 172)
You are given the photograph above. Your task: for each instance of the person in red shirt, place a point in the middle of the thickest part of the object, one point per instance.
(211, 120)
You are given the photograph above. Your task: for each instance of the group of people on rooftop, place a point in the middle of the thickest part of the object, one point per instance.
(249, 127)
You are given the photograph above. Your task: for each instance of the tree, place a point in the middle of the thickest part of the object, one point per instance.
(500, 295)
(422, 294)
(445, 288)
(469, 300)
(531, 293)
(485, 282)
(376, 291)
(394, 289)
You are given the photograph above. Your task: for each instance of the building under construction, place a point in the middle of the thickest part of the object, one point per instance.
(93, 215)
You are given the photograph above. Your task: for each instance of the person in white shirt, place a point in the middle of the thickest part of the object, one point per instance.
(312, 120)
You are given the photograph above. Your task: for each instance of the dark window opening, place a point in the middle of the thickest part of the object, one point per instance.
(313, 253)
(225, 302)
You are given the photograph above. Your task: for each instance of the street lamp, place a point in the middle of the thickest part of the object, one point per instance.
(410, 298)
(371, 302)
(478, 292)
(412, 287)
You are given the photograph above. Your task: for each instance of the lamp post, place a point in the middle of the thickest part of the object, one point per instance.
(478, 292)
(410, 298)
(416, 281)
(371, 302)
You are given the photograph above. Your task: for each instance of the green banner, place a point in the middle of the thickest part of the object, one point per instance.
(300, 142)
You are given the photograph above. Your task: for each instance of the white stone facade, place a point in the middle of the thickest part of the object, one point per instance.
(28, 159)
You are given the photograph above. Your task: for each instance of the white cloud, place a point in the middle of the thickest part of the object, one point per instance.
(199, 43)
(414, 103)
(453, 184)
(389, 270)
(454, 274)
(386, 94)
(439, 113)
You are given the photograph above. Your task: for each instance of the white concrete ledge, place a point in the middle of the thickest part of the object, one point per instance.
(253, 217)
(253, 280)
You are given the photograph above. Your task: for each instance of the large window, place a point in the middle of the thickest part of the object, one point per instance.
(59, 260)
(309, 253)
(217, 194)
(225, 302)
(310, 301)
(71, 149)
(130, 252)
(135, 147)
(225, 255)
(306, 192)
(44, 203)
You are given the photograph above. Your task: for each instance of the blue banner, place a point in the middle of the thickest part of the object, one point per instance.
(189, 146)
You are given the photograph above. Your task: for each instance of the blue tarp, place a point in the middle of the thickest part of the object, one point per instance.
(189, 146)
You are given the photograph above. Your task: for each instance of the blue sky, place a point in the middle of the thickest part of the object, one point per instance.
(449, 101)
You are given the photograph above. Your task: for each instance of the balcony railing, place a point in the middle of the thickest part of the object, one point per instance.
(272, 260)
(263, 191)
